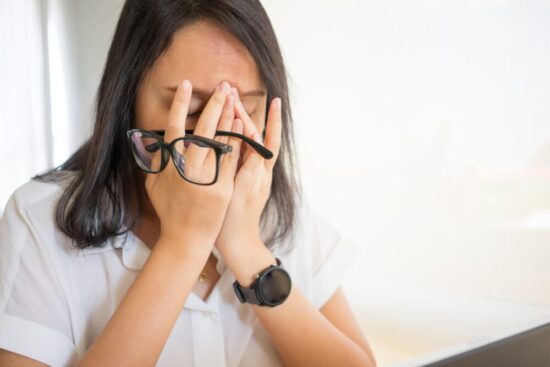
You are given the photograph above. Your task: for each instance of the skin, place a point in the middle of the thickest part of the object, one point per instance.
(226, 214)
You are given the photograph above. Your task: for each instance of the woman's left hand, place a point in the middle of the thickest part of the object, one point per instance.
(241, 226)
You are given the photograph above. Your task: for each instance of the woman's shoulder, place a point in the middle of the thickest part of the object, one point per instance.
(35, 193)
(314, 228)
(38, 193)
(36, 281)
(321, 254)
(30, 211)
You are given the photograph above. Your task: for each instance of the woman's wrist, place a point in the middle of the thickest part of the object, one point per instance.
(248, 261)
(185, 245)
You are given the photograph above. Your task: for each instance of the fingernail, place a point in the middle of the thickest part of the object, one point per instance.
(278, 103)
(186, 85)
(224, 87)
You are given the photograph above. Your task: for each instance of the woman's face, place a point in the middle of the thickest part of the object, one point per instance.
(206, 55)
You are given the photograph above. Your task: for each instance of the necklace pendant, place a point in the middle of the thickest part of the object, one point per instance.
(202, 276)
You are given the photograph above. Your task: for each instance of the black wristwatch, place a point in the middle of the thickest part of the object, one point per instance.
(270, 288)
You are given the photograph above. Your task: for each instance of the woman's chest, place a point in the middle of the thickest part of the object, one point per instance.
(213, 328)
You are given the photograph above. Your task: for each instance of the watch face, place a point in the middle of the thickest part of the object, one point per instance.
(275, 286)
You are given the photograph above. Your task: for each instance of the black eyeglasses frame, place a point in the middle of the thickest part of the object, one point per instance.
(168, 150)
(263, 151)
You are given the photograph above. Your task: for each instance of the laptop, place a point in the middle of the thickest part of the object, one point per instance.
(526, 347)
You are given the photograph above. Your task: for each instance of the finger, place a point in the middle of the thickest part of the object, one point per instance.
(210, 116)
(226, 120)
(273, 131)
(178, 115)
(178, 112)
(245, 148)
(157, 165)
(230, 160)
(251, 131)
(228, 115)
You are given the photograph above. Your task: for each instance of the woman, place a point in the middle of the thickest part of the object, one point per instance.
(170, 238)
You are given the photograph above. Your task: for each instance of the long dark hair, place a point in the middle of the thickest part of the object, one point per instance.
(103, 197)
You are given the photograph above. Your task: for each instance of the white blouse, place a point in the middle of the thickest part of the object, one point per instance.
(55, 299)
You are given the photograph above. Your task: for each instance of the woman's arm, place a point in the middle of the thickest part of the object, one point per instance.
(302, 335)
(338, 311)
(140, 326)
(136, 333)
(10, 359)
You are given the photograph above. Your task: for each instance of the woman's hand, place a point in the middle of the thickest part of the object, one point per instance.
(186, 209)
(252, 183)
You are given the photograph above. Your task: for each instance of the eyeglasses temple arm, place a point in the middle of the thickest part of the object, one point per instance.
(263, 151)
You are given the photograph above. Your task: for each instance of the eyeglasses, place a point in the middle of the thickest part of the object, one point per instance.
(151, 153)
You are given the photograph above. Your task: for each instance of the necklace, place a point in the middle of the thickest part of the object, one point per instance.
(203, 276)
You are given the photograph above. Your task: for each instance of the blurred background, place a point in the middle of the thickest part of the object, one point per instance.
(423, 129)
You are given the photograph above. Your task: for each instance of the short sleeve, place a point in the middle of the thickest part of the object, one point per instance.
(34, 316)
(332, 255)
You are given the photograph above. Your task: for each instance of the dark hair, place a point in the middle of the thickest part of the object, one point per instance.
(102, 199)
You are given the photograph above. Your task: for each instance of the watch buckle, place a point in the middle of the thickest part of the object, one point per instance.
(238, 292)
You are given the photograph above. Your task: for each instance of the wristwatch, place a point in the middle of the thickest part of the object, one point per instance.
(270, 288)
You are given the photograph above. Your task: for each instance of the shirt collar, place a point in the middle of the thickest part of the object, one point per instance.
(134, 254)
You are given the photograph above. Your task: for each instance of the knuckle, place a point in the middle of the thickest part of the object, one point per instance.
(227, 115)
(191, 170)
(173, 123)
(219, 97)
(180, 98)
(174, 118)
(220, 194)
(234, 155)
(247, 173)
(226, 192)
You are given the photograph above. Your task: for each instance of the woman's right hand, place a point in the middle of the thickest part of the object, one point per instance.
(188, 210)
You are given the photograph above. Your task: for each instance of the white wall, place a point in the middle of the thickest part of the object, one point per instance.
(443, 178)
(443, 106)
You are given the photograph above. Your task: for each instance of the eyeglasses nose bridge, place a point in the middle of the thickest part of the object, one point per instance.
(177, 158)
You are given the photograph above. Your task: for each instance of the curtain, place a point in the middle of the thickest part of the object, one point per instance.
(25, 136)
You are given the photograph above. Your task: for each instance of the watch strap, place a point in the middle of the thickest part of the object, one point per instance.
(248, 295)
(245, 295)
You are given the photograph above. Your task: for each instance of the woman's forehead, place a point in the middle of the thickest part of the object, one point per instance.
(206, 55)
